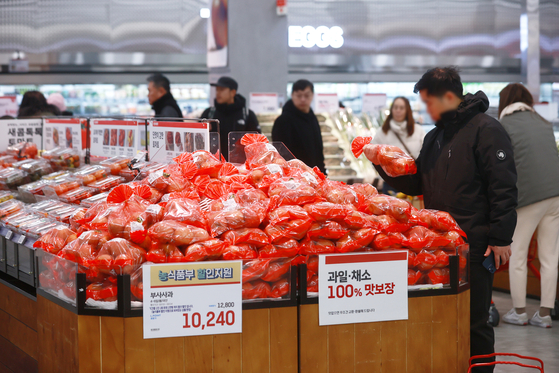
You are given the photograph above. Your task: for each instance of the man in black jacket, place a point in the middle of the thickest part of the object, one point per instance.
(466, 167)
(298, 128)
(230, 108)
(161, 99)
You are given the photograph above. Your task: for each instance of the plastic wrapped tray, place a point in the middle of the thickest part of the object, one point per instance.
(106, 184)
(77, 195)
(115, 164)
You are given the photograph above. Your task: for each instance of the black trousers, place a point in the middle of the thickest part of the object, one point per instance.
(482, 337)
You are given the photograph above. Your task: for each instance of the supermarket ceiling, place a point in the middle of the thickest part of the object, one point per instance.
(486, 30)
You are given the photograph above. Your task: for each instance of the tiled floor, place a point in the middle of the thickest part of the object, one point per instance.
(526, 340)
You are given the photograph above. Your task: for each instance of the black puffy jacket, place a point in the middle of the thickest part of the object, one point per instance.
(466, 167)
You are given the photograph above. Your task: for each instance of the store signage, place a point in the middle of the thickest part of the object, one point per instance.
(170, 139)
(8, 106)
(373, 102)
(64, 133)
(362, 287)
(281, 7)
(20, 130)
(110, 138)
(264, 103)
(18, 65)
(189, 299)
(322, 37)
(326, 102)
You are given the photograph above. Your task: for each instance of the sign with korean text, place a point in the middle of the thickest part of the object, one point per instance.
(64, 133)
(189, 299)
(169, 139)
(326, 102)
(362, 287)
(264, 103)
(8, 106)
(373, 102)
(110, 138)
(20, 130)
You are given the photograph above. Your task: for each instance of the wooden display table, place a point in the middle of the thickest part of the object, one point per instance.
(435, 338)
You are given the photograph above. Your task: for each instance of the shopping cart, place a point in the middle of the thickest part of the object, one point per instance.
(474, 365)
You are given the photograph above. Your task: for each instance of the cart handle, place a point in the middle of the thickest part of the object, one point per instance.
(540, 368)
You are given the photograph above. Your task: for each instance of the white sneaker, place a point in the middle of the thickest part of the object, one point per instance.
(542, 322)
(513, 318)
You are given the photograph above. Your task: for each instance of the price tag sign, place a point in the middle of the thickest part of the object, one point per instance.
(170, 139)
(189, 299)
(326, 102)
(8, 106)
(64, 133)
(264, 103)
(20, 130)
(362, 287)
(373, 102)
(110, 138)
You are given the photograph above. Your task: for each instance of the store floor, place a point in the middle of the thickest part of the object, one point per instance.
(525, 340)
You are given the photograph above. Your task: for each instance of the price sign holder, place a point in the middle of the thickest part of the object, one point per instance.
(20, 130)
(64, 132)
(264, 103)
(373, 102)
(326, 102)
(190, 299)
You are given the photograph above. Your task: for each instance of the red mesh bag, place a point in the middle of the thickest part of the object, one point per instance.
(259, 152)
(323, 211)
(388, 224)
(413, 276)
(211, 249)
(358, 220)
(392, 159)
(185, 211)
(242, 251)
(261, 177)
(366, 190)
(425, 260)
(386, 205)
(296, 229)
(340, 193)
(168, 180)
(250, 236)
(276, 269)
(164, 253)
(176, 233)
(255, 269)
(355, 240)
(256, 290)
(440, 221)
(439, 276)
(249, 196)
(283, 249)
(206, 163)
(230, 213)
(130, 215)
(85, 248)
(388, 241)
(119, 256)
(292, 191)
(102, 291)
(418, 238)
(55, 239)
(329, 230)
(319, 246)
(280, 288)
(285, 213)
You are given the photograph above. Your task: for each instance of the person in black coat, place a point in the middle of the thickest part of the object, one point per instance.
(466, 167)
(161, 99)
(298, 128)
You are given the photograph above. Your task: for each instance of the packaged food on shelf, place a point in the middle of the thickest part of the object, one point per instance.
(10, 207)
(36, 168)
(88, 202)
(115, 164)
(59, 186)
(77, 195)
(89, 174)
(57, 174)
(150, 168)
(106, 184)
(62, 158)
(6, 195)
(23, 150)
(7, 160)
(11, 178)
(28, 192)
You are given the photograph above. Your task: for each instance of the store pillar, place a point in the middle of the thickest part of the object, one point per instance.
(257, 48)
(530, 46)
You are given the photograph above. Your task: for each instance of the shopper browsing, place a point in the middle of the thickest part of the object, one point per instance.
(34, 105)
(161, 99)
(399, 129)
(297, 126)
(230, 108)
(56, 99)
(537, 164)
(466, 167)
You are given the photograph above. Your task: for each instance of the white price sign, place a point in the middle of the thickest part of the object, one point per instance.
(20, 130)
(326, 102)
(264, 103)
(8, 106)
(362, 287)
(373, 102)
(170, 139)
(65, 133)
(110, 138)
(189, 299)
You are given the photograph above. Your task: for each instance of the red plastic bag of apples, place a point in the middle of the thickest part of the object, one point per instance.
(119, 256)
(392, 159)
(292, 191)
(55, 239)
(230, 212)
(185, 211)
(259, 152)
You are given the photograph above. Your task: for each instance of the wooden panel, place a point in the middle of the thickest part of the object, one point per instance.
(463, 313)
(256, 341)
(139, 352)
(227, 353)
(4, 369)
(23, 337)
(313, 340)
(89, 345)
(367, 348)
(18, 306)
(57, 338)
(15, 359)
(169, 355)
(341, 348)
(198, 354)
(420, 348)
(4, 322)
(393, 349)
(445, 333)
(283, 340)
(112, 344)
(420, 310)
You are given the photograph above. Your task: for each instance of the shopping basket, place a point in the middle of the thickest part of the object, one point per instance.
(474, 365)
